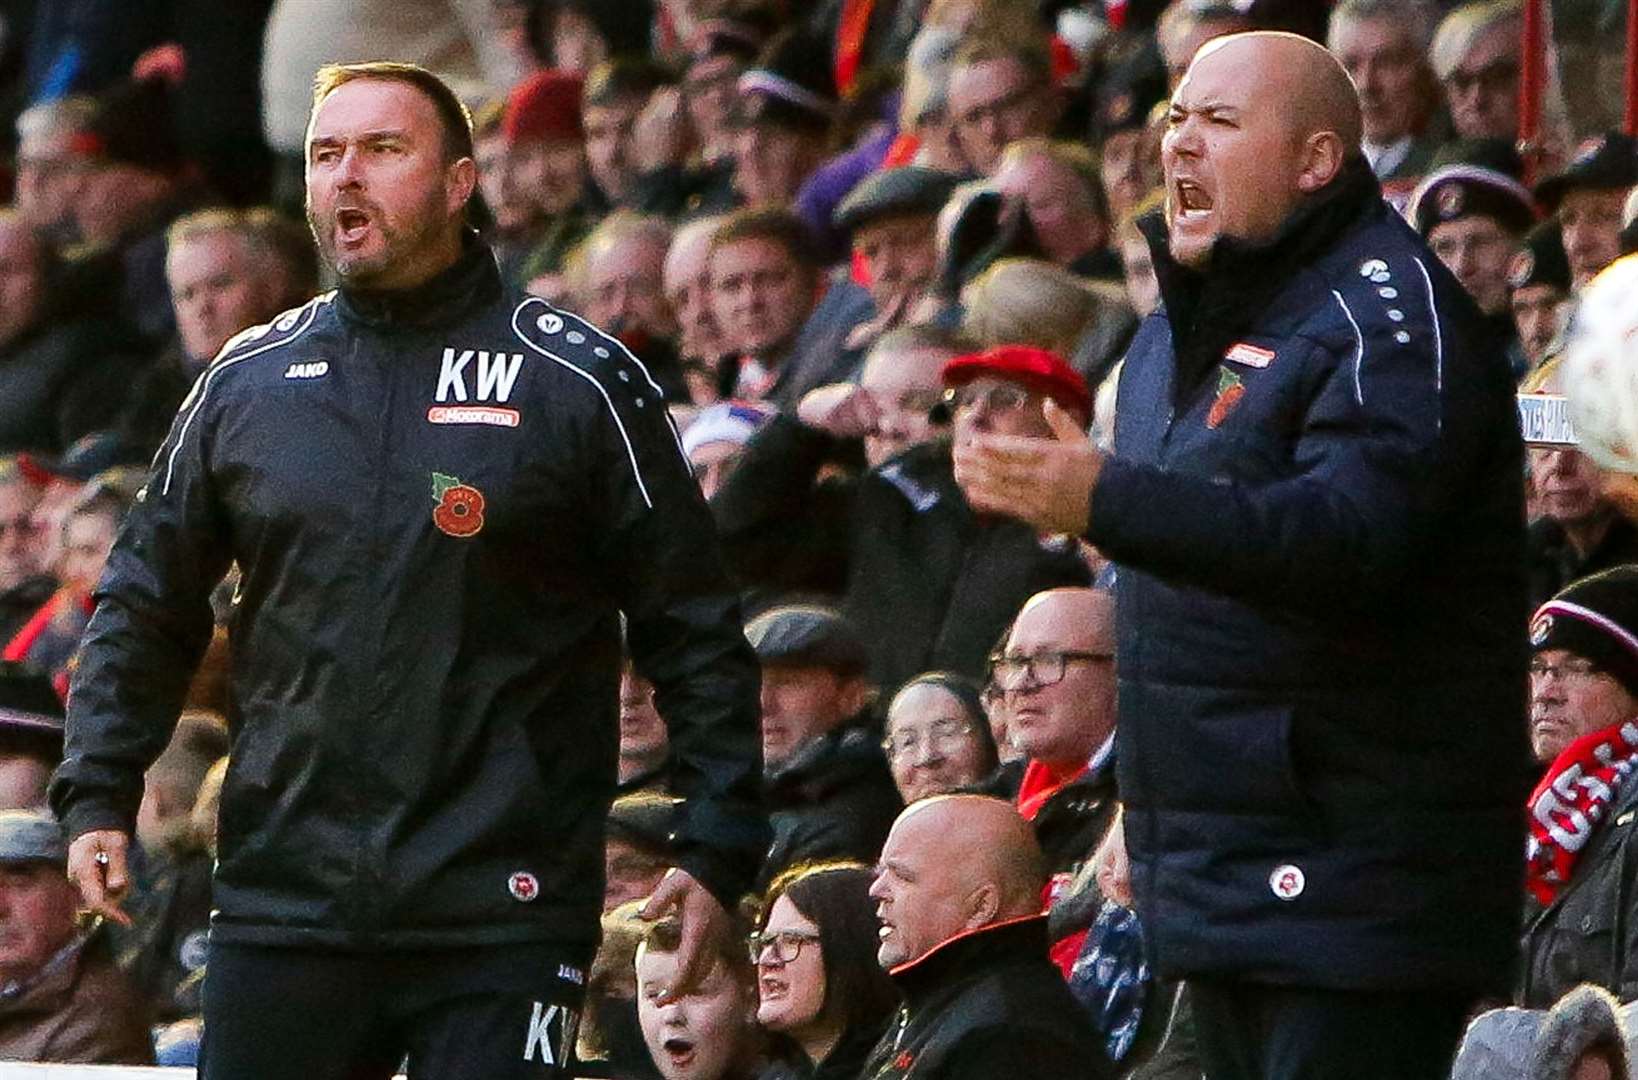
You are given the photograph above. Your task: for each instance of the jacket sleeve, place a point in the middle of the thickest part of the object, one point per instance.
(1373, 458)
(686, 635)
(152, 623)
(770, 512)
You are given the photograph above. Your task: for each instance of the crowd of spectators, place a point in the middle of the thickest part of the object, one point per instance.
(841, 235)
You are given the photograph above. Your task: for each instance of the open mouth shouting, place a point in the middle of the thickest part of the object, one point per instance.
(352, 225)
(679, 1052)
(1192, 201)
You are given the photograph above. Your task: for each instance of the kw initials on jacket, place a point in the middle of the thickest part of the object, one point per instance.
(496, 373)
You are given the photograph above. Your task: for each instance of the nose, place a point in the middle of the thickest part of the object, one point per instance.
(928, 753)
(878, 889)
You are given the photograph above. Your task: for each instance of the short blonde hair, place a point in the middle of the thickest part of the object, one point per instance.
(1033, 302)
(452, 113)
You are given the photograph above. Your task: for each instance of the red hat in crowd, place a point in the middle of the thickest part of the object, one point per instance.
(1042, 371)
(545, 106)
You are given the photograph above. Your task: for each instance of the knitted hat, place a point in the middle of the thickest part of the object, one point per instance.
(545, 106)
(1040, 370)
(1541, 261)
(791, 84)
(1457, 191)
(1605, 162)
(1597, 619)
(132, 125)
(1497, 155)
(726, 421)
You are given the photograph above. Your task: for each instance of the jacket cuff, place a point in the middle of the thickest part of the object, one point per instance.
(92, 815)
(1122, 485)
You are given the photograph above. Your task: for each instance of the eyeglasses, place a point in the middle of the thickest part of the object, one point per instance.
(995, 397)
(786, 945)
(1568, 671)
(1042, 669)
(941, 734)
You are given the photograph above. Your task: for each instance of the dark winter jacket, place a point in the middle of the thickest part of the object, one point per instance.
(986, 1005)
(931, 586)
(1589, 933)
(440, 502)
(834, 800)
(1317, 513)
(1554, 562)
(58, 381)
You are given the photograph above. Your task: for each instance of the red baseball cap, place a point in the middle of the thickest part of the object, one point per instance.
(546, 105)
(1039, 369)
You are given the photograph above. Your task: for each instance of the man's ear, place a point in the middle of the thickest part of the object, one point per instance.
(460, 181)
(855, 694)
(983, 906)
(1323, 155)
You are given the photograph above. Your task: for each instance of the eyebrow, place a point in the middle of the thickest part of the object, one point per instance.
(384, 135)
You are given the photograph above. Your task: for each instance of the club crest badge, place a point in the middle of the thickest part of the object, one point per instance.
(1541, 629)
(1520, 269)
(1229, 392)
(1287, 882)
(1450, 200)
(523, 886)
(459, 509)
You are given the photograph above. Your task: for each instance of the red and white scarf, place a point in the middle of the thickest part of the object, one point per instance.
(1565, 809)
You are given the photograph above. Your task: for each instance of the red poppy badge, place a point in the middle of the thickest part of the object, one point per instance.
(1229, 392)
(460, 506)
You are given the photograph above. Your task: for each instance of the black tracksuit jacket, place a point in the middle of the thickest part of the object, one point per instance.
(440, 502)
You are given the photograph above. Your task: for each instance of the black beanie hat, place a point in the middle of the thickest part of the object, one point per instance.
(1541, 261)
(1597, 619)
(791, 84)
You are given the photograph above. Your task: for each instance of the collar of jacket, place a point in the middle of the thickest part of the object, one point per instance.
(971, 953)
(472, 279)
(45, 990)
(1209, 309)
(827, 761)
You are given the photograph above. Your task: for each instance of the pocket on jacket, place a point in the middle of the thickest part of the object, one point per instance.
(1231, 753)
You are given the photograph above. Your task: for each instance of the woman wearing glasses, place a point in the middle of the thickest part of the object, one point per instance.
(938, 737)
(819, 986)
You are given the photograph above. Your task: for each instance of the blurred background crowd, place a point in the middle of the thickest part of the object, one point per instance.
(840, 232)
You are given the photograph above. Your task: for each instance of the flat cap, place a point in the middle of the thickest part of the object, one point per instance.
(1039, 369)
(807, 635)
(31, 836)
(1605, 162)
(909, 189)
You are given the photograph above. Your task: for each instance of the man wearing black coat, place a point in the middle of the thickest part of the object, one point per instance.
(827, 788)
(958, 894)
(1316, 509)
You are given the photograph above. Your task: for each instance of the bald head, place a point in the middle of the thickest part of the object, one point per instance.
(953, 864)
(1261, 123)
(1297, 78)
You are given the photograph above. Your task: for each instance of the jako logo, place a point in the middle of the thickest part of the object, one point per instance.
(313, 369)
(496, 373)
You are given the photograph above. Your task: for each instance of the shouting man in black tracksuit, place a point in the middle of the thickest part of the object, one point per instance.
(440, 497)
